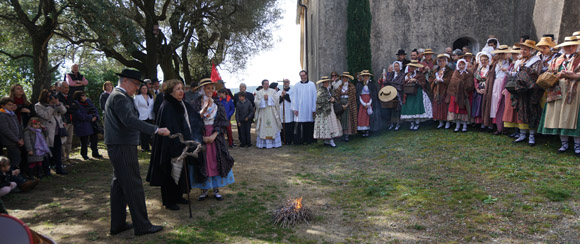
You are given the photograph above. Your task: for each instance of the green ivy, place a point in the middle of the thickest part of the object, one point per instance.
(358, 36)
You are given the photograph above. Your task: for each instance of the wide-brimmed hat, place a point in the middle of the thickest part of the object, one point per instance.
(569, 41)
(131, 74)
(501, 49)
(207, 81)
(428, 51)
(444, 55)
(468, 54)
(387, 93)
(415, 63)
(366, 72)
(401, 52)
(577, 33)
(322, 79)
(515, 50)
(347, 74)
(546, 41)
(530, 43)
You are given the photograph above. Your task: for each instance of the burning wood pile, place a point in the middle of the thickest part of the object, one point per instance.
(292, 213)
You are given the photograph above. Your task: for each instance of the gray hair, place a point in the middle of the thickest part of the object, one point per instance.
(243, 84)
(59, 84)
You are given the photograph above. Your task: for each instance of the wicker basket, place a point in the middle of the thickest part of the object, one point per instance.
(390, 104)
(547, 80)
(410, 88)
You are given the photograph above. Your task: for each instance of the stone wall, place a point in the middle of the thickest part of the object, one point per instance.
(432, 24)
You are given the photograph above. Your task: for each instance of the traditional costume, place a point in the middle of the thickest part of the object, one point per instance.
(287, 117)
(459, 95)
(439, 84)
(347, 112)
(526, 99)
(480, 79)
(268, 124)
(368, 110)
(326, 126)
(395, 79)
(561, 114)
(416, 107)
(493, 106)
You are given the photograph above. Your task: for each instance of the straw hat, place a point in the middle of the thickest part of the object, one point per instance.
(207, 81)
(577, 33)
(502, 49)
(444, 55)
(468, 54)
(546, 41)
(322, 80)
(387, 93)
(346, 74)
(531, 44)
(569, 41)
(415, 63)
(428, 51)
(366, 72)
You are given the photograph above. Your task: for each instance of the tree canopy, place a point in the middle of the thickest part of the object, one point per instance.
(181, 37)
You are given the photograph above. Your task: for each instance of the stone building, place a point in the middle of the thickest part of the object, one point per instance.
(432, 24)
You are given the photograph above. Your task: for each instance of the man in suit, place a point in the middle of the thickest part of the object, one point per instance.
(122, 137)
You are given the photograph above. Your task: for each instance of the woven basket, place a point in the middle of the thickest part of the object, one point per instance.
(410, 88)
(547, 80)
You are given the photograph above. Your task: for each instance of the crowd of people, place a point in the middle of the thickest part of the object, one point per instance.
(523, 89)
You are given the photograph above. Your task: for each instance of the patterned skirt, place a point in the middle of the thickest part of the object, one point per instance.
(327, 126)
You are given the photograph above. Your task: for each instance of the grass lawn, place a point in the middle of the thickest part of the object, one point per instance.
(430, 186)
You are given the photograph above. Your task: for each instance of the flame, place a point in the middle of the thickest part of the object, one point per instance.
(297, 203)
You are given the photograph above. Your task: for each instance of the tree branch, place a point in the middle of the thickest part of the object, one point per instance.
(14, 57)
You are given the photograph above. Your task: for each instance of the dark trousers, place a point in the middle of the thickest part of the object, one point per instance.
(230, 134)
(145, 138)
(304, 133)
(94, 139)
(127, 188)
(56, 151)
(244, 133)
(13, 153)
(288, 133)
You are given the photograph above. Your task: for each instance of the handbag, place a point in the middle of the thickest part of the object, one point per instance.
(62, 132)
(547, 80)
(510, 85)
(410, 88)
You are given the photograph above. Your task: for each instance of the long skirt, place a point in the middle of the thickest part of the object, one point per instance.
(454, 113)
(347, 127)
(269, 143)
(498, 120)
(327, 126)
(364, 119)
(417, 107)
(214, 180)
(510, 115)
(476, 108)
(440, 111)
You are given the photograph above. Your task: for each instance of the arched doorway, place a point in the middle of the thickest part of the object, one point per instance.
(466, 41)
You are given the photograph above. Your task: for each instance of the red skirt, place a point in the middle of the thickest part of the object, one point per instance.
(364, 119)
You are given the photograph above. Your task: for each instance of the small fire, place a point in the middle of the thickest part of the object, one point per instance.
(297, 204)
(291, 213)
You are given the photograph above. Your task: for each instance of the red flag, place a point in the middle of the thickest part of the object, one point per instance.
(215, 75)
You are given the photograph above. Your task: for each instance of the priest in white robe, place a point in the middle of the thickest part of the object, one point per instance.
(268, 124)
(304, 108)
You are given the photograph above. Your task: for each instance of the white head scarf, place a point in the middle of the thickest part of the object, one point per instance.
(400, 67)
(488, 48)
(464, 70)
(478, 56)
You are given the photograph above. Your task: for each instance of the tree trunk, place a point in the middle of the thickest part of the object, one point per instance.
(42, 77)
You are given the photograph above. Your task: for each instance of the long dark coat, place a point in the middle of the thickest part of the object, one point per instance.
(172, 116)
(224, 159)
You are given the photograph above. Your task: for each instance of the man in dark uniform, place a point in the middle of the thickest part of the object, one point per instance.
(122, 128)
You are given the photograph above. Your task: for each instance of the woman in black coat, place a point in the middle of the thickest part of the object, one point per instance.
(178, 117)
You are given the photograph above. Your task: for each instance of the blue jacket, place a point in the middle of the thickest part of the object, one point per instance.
(228, 104)
(82, 118)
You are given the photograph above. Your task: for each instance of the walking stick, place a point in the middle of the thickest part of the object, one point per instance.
(188, 145)
(284, 119)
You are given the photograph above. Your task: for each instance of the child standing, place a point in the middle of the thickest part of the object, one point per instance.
(36, 145)
(228, 103)
(10, 131)
(244, 117)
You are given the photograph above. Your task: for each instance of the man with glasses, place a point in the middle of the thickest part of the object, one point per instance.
(122, 137)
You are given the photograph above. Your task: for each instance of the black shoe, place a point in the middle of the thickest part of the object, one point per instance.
(182, 201)
(173, 207)
(97, 156)
(203, 195)
(127, 226)
(153, 229)
(61, 172)
(85, 157)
